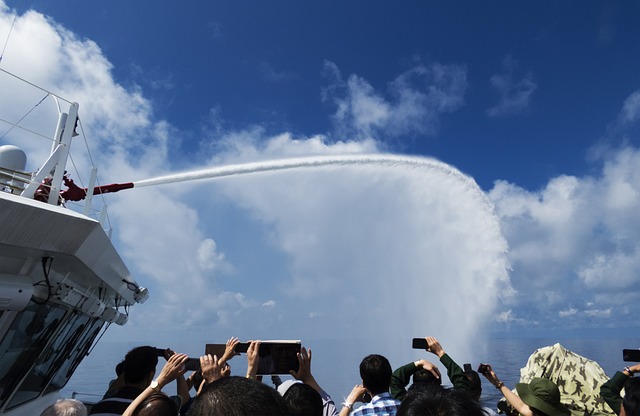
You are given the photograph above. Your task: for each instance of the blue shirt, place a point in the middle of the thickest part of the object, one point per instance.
(381, 405)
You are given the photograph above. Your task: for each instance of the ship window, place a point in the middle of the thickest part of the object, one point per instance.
(25, 340)
(80, 350)
(61, 349)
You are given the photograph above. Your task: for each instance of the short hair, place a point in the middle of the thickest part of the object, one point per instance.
(475, 385)
(631, 399)
(425, 376)
(138, 363)
(434, 400)
(157, 404)
(238, 396)
(303, 400)
(65, 407)
(375, 371)
(120, 368)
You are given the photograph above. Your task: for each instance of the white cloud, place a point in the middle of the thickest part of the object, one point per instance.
(414, 102)
(207, 255)
(631, 108)
(515, 95)
(574, 244)
(270, 73)
(568, 312)
(307, 253)
(291, 254)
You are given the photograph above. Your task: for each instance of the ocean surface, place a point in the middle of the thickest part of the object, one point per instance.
(507, 357)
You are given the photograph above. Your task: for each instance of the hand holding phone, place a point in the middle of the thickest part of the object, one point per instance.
(631, 355)
(420, 344)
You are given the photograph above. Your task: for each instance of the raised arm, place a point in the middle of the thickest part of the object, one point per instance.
(610, 391)
(211, 371)
(355, 396)
(304, 374)
(513, 399)
(229, 351)
(253, 359)
(402, 376)
(454, 371)
(171, 370)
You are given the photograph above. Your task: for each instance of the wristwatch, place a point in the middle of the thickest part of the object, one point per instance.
(154, 385)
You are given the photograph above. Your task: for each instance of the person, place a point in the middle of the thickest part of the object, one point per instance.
(375, 372)
(157, 404)
(475, 389)
(434, 400)
(302, 399)
(538, 397)
(151, 401)
(196, 379)
(425, 372)
(139, 370)
(610, 392)
(66, 407)
(117, 383)
(239, 396)
(305, 376)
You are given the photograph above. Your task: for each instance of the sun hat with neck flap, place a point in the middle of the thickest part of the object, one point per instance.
(542, 394)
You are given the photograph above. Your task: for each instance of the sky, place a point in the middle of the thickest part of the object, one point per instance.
(519, 217)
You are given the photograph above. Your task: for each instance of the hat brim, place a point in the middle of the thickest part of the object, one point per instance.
(530, 400)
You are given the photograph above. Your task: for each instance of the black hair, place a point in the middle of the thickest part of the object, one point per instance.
(158, 404)
(303, 400)
(475, 385)
(433, 400)
(631, 399)
(138, 363)
(425, 376)
(375, 371)
(120, 368)
(238, 396)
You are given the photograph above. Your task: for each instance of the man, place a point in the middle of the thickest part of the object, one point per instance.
(305, 376)
(239, 396)
(427, 374)
(139, 368)
(65, 407)
(375, 372)
(610, 392)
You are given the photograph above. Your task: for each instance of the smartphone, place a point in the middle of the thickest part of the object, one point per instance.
(276, 357)
(467, 368)
(482, 368)
(366, 397)
(631, 355)
(192, 364)
(160, 352)
(420, 344)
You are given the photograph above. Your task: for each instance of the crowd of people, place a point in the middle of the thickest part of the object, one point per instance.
(413, 389)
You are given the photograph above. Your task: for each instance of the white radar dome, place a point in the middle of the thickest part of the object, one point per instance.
(12, 157)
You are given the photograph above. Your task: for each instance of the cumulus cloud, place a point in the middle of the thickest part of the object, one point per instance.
(301, 254)
(631, 108)
(285, 254)
(412, 103)
(574, 244)
(514, 94)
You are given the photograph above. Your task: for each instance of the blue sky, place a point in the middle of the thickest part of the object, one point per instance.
(567, 68)
(537, 101)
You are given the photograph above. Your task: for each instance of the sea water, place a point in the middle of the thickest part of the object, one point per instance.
(506, 355)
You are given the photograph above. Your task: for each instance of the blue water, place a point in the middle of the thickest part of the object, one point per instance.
(506, 356)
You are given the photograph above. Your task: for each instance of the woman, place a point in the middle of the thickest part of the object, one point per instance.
(540, 397)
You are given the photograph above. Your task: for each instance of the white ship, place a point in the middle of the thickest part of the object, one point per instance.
(62, 282)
